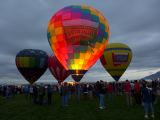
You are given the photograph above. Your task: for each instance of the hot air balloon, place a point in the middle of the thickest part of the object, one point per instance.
(32, 64)
(116, 58)
(78, 36)
(57, 69)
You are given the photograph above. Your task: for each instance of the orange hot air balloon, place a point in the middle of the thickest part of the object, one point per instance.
(116, 59)
(78, 35)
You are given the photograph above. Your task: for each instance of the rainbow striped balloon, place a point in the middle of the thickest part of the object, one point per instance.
(78, 35)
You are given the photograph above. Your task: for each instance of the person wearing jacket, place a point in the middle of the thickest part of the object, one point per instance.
(127, 90)
(64, 94)
(147, 98)
(101, 95)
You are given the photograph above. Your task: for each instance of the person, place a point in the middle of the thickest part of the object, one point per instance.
(35, 94)
(49, 94)
(78, 92)
(101, 95)
(120, 88)
(137, 92)
(132, 91)
(116, 88)
(154, 89)
(69, 91)
(90, 91)
(85, 91)
(8, 90)
(64, 94)
(132, 88)
(110, 91)
(31, 92)
(127, 90)
(41, 93)
(147, 99)
(97, 87)
(26, 91)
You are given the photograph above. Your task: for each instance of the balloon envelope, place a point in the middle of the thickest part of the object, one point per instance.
(78, 35)
(32, 64)
(116, 58)
(57, 69)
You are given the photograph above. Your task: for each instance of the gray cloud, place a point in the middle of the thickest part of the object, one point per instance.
(23, 24)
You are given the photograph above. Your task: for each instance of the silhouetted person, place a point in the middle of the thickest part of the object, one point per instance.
(41, 93)
(147, 99)
(64, 94)
(102, 95)
(127, 90)
(78, 92)
(137, 92)
(35, 94)
(49, 94)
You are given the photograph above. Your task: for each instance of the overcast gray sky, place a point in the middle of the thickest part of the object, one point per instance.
(23, 24)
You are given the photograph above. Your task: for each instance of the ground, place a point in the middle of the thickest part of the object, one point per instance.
(19, 108)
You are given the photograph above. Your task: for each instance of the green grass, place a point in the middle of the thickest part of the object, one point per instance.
(18, 108)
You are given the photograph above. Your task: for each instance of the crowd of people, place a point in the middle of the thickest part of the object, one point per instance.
(9, 90)
(136, 92)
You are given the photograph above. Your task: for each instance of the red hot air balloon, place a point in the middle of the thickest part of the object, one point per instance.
(57, 70)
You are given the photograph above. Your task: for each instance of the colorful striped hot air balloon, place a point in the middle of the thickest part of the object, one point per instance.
(116, 58)
(32, 64)
(78, 36)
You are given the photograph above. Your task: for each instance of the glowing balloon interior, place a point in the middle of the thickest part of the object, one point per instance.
(57, 69)
(116, 58)
(78, 35)
(32, 64)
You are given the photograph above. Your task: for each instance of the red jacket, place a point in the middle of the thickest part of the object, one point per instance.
(110, 88)
(137, 88)
(127, 87)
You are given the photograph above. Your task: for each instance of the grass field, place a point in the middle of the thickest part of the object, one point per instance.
(18, 108)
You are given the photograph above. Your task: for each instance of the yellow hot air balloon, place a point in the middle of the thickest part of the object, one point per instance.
(116, 58)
